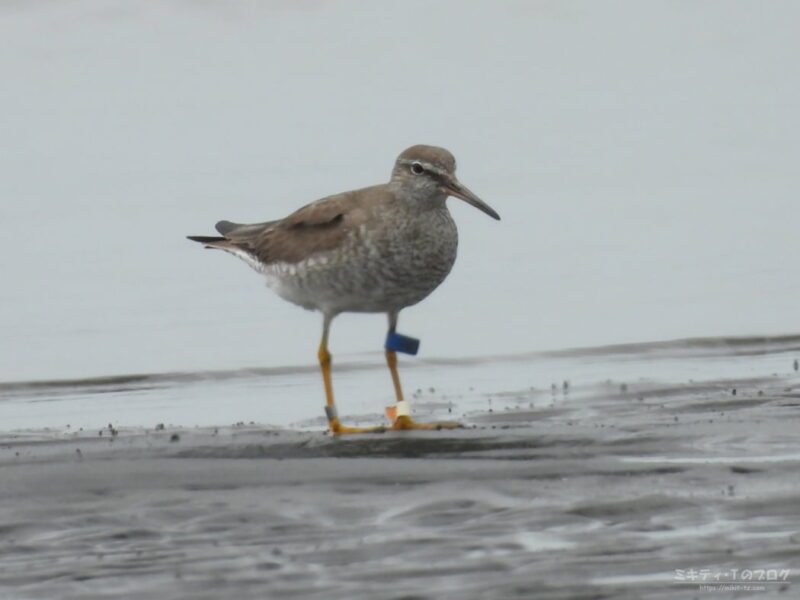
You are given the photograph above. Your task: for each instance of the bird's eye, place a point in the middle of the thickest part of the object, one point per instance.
(417, 168)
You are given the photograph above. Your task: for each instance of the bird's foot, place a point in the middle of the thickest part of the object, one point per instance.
(336, 428)
(401, 423)
(400, 416)
(404, 422)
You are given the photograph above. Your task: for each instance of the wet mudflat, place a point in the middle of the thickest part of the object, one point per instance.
(604, 489)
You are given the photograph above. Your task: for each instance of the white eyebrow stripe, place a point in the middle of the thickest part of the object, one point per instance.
(426, 165)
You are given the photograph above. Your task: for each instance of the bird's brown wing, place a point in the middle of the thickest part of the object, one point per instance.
(317, 227)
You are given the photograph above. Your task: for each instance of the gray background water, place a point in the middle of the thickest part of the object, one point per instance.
(643, 156)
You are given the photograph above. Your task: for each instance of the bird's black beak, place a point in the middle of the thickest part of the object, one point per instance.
(454, 187)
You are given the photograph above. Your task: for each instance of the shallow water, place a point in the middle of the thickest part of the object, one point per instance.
(292, 396)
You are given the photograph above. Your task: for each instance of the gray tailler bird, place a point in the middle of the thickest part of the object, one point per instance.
(377, 249)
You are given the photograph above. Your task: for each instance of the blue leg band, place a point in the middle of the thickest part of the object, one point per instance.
(401, 343)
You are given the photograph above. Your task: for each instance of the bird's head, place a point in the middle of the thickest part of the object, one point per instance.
(428, 171)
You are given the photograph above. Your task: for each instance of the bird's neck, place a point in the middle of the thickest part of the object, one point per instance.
(419, 200)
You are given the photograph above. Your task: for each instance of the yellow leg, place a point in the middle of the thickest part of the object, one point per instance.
(391, 360)
(325, 360)
(400, 413)
(325, 366)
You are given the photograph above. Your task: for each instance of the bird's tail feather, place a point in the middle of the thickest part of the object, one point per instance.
(204, 239)
(211, 241)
